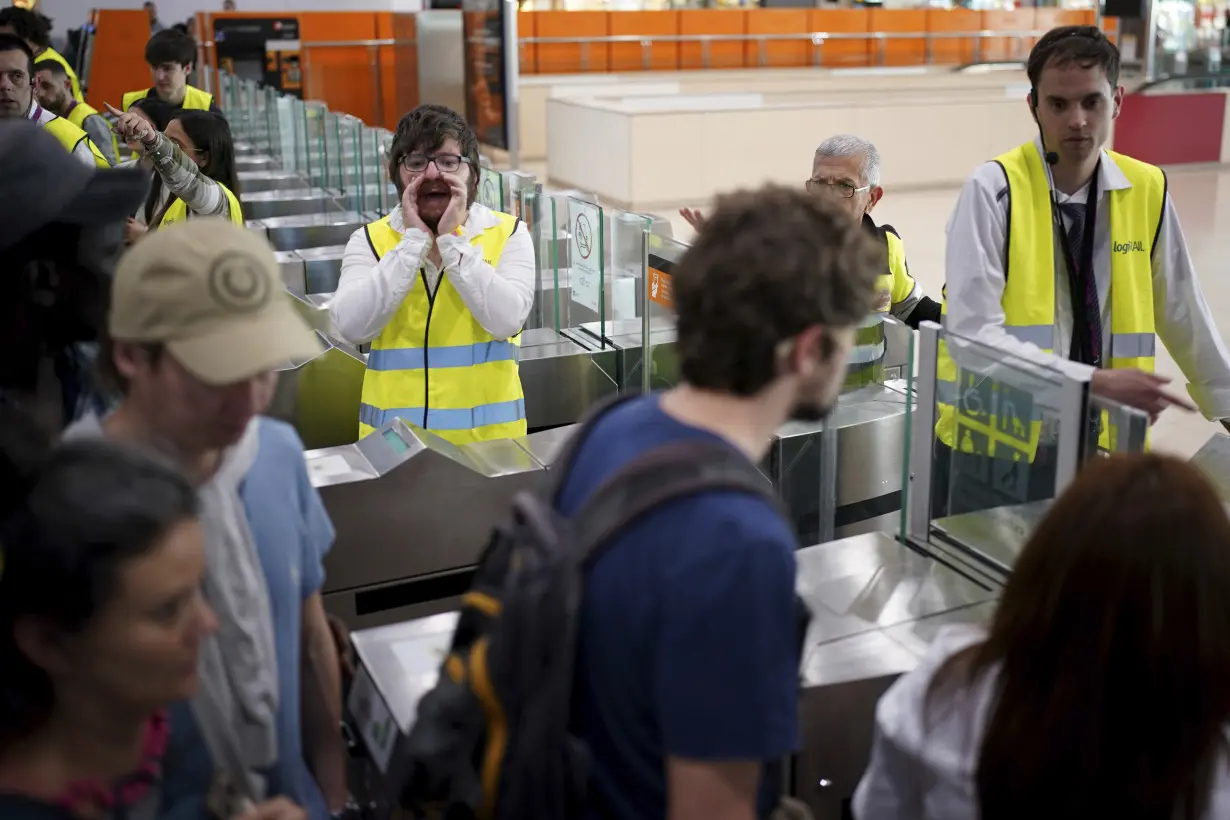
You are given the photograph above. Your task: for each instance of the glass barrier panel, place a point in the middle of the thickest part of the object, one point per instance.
(388, 190)
(373, 172)
(491, 189)
(586, 265)
(999, 436)
(909, 396)
(1116, 428)
(348, 170)
(314, 142)
(333, 151)
(515, 182)
(658, 331)
(538, 214)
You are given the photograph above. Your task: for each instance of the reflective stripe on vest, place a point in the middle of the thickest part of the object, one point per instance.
(77, 116)
(194, 99)
(177, 211)
(70, 136)
(1135, 216)
(434, 366)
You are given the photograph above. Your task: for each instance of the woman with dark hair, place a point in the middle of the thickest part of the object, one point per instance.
(194, 164)
(100, 618)
(1102, 687)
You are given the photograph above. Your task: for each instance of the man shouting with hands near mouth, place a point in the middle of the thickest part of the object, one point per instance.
(440, 287)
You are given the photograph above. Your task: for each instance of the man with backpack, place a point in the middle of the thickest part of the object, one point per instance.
(630, 646)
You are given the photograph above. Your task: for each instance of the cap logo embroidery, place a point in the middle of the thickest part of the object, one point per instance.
(238, 284)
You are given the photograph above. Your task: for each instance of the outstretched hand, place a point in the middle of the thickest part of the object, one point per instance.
(132, 128)
(693, 217)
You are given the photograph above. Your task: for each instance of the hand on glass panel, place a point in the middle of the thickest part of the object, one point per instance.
(693, 217)
(458, 207)
(1138, 389)
(410, 206)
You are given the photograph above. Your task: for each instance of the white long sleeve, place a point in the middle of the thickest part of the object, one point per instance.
(370, 291)
(975, 278)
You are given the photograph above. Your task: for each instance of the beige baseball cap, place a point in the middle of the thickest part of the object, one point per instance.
(211, 292)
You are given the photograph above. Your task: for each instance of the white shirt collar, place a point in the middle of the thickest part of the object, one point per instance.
(480, 219)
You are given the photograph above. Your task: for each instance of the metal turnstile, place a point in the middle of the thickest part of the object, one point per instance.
(282, 202)
(412, 513)
(876, 607)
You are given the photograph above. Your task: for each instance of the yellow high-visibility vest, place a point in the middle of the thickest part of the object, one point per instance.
(77, 116)
(178, 210)
(434, 366)
(51, 54)
(896, 285)
(194, 99)
(70, 135)
(1029, 294)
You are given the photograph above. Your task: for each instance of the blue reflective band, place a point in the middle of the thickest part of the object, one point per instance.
(415, 358)
(502, 412)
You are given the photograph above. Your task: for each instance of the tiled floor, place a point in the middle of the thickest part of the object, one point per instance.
(1202, 196)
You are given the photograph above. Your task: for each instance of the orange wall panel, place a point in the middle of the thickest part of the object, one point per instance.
(571, 58)
(778, 53)
(118, 62)
(399, 67)
(662, 56)
(728, 22)
(949, 48)
(843, 52)
(899, 50)
(526, 28)
(1007, 48)
(343, 77)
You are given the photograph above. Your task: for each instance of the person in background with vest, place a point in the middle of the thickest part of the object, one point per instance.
(54, 93)
(441, 288)
(17, 101)
(846, 169)
(35, 29)
(1086, 299)
(171, 56)
(194, 163)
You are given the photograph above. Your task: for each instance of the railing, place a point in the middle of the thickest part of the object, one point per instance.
(816, 38)
(207, 56)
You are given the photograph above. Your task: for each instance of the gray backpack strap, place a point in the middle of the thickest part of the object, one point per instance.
(661, 475)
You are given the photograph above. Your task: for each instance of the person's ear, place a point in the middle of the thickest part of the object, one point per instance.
(1116, 97)
(41, 643)
(874, 195)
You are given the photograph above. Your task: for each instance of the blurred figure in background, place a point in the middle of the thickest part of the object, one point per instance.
(35, 29)
(194, 164)
(60, 244)
(171, 56)
(17, 102)
(54, 93)
(151, 11)
(1102, 687)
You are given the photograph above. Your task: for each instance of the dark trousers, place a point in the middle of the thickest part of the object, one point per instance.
(968, 482)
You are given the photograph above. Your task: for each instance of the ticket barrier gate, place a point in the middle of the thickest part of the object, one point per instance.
(412, 513)
(877, 600)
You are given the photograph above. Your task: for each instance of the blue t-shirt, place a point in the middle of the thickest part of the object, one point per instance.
(292, 533)
(688, 641)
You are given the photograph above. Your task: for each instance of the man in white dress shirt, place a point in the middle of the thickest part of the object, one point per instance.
(441, 288)
(1087, 299)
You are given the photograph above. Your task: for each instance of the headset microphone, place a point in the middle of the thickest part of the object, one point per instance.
(1051, 158)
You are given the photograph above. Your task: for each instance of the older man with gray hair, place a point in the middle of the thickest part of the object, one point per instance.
(846, 169)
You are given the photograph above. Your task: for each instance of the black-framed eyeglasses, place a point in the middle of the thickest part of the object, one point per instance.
(445, 163)
(842, 189)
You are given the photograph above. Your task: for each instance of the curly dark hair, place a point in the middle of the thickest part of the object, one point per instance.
(767, 265)
(28, 25)
(1086, 46)
(425, 129)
